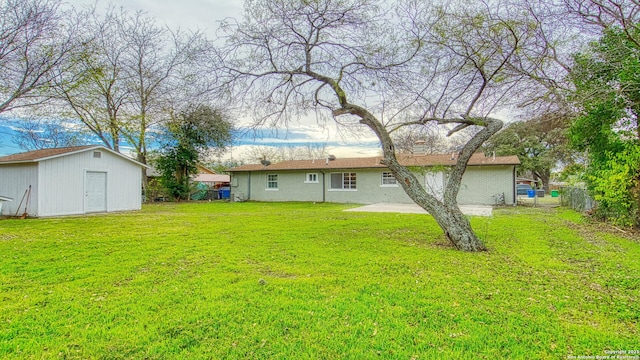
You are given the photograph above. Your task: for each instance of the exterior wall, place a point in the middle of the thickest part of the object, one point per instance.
(369, 189)
(291, 186)
(14, 182)
(62, 183)
(479, 185)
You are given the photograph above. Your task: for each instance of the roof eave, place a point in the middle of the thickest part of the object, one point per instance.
(34, 161)
(94, 148)
(18, 162)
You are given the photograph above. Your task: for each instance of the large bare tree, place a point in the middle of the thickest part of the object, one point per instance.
(384, 66)
(163, 75)
(130, 76)
(560, 29)
(35, 38)
(94, 87)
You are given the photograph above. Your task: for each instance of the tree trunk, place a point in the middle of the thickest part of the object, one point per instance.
(544, 178)
(457, 228)
(447, 214)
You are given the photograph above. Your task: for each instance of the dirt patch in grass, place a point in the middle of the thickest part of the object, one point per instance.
(592, 229)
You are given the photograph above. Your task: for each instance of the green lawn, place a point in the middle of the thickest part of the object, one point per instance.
(309, 281)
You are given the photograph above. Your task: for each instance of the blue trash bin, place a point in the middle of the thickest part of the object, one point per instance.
(225, 193)
(531, 193)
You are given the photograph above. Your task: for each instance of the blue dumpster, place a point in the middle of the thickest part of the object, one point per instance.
(531, 193)
(225, 192)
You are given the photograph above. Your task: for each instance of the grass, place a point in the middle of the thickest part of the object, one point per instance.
(308, 281)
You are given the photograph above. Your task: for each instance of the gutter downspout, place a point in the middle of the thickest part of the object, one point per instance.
(249, 187)
(515, 196)
(324, 187)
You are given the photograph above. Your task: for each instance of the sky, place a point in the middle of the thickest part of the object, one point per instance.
(205, 15)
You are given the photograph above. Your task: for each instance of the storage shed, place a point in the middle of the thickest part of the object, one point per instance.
(69, 181)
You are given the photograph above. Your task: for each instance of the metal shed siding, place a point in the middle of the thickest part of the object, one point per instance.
(62, 180)
(62, 184)
(14, 182)
(481, 183)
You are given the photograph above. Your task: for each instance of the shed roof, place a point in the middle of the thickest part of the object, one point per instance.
(46, 154)
(374, 162)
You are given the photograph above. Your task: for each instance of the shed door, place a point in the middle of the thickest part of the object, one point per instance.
(434, 184)
(95, 197)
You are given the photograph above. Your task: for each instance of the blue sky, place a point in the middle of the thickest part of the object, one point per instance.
(6, 146)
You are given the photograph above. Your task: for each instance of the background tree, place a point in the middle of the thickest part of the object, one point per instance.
(34, 134)
(434, 141)
(94, 88)
(36, 37)
(161, 66)
(541, 144)
(607, 82)
(584, 66)
(190, 136)
(129, 75)
(314, 150)
(279, 153)
(260, 152)
(384, 66)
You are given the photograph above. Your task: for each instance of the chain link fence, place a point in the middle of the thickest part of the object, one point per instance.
(576, 198)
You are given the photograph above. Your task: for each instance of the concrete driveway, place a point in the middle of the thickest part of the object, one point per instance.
(473, 210)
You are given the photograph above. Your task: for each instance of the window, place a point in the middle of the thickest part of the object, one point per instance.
(97, 154)
(311, 178)
(388, 179)
(272, 182)
(343, 181)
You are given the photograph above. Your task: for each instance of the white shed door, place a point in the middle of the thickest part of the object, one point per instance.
(434, 184)
(95, 197)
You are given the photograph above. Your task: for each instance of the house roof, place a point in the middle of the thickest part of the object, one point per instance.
(46, 154)
(153, 172)
(212, 178)
(374, 162)
(204, 170)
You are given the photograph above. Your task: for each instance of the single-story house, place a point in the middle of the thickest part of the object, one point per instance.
(213, 180)
(69, 181)
(367, 181)
(521, 180)
(204, 175)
